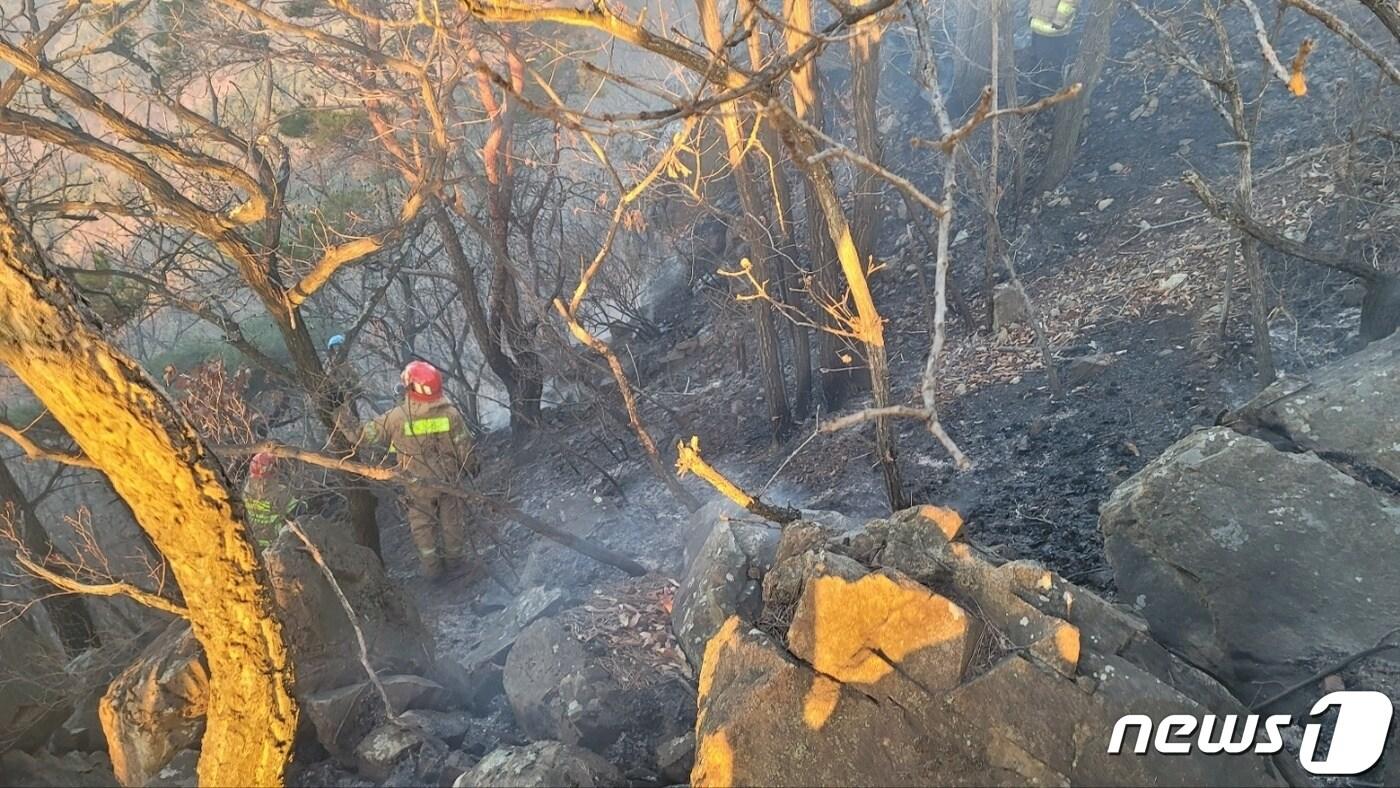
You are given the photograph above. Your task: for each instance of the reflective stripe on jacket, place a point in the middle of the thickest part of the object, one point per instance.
(268, 505)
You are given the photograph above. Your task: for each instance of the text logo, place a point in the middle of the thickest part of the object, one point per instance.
(1363, 721)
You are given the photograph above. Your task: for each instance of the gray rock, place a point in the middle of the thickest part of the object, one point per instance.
(1017, 682)
(1252, 562)
(1008, 307)
(542, 764)
(384, 748)
(82, 731)
(558, 692)
(675, 757)
(415, 692)
(319, 634)
(1347, 408)
(45, 770)
(480, 676)
(448, 726)
(342, 717)
(155, 708)
(726, 558)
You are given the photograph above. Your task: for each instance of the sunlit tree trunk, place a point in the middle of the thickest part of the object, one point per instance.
(807, 101)
(867, 326)
(765, 330)
(179, 495)
(1071, 114)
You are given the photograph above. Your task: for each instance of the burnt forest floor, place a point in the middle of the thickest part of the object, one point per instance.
(1106, 277)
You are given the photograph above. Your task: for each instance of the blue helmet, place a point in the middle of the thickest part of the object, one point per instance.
(335, 342)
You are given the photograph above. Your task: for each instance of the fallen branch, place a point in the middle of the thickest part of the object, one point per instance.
(873, 414)
(688, 460)
(114, 588)
(490, 503)
(1327, 670)
(1271, 237)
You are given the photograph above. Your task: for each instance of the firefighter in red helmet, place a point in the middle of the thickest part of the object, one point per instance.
(267, 499)
(433, 444)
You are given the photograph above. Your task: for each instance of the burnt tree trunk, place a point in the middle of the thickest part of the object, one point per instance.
(836, 375)
(765, 330)
(973, 63)
(1070, 115)
(785, 259)
(122, 422)
(865, 95)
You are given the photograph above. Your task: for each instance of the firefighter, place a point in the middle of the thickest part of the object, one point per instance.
(268, 499)
(434, 446)
(1051, 24)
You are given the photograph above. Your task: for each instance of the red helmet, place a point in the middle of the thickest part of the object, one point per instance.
(422, 382)
(261, 465)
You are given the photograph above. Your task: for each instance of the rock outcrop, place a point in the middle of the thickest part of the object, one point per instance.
(155, 708)
(319, 634)
(894, 654)
(559, 692)
(1261, 556)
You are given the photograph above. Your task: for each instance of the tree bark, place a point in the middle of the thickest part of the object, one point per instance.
(765, 331)
(1071, 114)
(69, 613)
(122, 422)
(973, 64)
(807, 102)
(1254, 274)
(865, 95)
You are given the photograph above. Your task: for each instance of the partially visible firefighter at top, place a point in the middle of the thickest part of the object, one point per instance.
(268, 499)
(434, 446)
(1052, 22)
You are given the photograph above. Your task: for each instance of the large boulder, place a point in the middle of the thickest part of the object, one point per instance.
(1255, 563)
(319, 635)
(1345, 411)
(540, 764)
(726, 554)
(896, 655)
(155, 708)
(559, 691)
(33, 700)
(480, 674)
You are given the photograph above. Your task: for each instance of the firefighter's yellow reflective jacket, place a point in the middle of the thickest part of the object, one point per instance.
(432, 440)
(269, 504)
